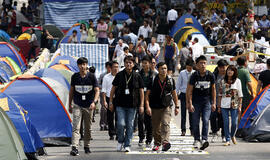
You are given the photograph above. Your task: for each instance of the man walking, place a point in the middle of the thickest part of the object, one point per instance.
(181, 87)
(128, 91)
(106, 90)
(159, 96)
(201, 97)
(84, 93)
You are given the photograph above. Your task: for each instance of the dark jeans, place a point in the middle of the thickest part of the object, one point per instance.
(171, 24)
(205, 111)
(182, 98)
(216, 122)
(112, 119)
(31, 52)
(145, 124)
(102, 40)
(170, 64)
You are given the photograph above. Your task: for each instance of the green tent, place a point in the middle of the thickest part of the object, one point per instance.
(66, 73)
(11, 145)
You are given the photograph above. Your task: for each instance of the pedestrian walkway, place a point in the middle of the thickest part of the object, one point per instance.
(180, 144)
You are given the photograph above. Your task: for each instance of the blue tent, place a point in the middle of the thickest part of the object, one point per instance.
(53, 74)
(185, 21)
(7, 50)
(7, 68)
(20, 119)
(71, 29)
(120, 16)
(45, 109)
(4, 77)
(68, 61)
(4, 34)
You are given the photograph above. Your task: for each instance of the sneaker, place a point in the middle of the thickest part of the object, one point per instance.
(127, 149)
(205, 144)
(74, 151)
(111, 138)
(148, 144)
(140, 143)
(87, 150)
(234, 140)
(166, 146)
(119, 147)
(214, 138)
(227, 143)
(223, 139)
(183, 134)
(155, 148)
(197, 144)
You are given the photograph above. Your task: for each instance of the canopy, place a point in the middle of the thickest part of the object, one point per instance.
(54, 31)
(11, 145)
(44, 106)
(22, 123)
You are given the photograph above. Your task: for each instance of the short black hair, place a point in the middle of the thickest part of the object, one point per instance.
(189, 37)
(160, 64)
(74, 31)
(82, 60)
(184, 44)
(114, 62)
(129, 58)
(241, 60)
(109, 63)
(268, 62)
(222, 63)
(196, 39)
(125, 48)
(201, 58)
(190, 62)
(147, 58)
(92, 69)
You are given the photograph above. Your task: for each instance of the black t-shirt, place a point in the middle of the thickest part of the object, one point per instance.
(202, 87)
(265, 78)
(146, 78)
(155, 97)
(84, 89)
(127, 89)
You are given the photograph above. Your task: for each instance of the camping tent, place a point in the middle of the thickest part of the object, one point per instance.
(68, 61)
(54, 31)
(6, 50)
(184, 26)
(4, 34)
(70, 30)
(21, 121)
(66, 73)
(24, 46)
(202, 39)
(44, 107)
(5, 65)
(120, 16)
(11, 145)
(254, 117)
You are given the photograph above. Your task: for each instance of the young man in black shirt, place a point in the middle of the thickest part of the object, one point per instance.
(128, 91)
(201, 97)
(144, 120)
(84, 93)
(159, 95)
(264, 78)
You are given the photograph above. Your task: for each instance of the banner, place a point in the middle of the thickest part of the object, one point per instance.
(230, 6)
(97, 54)
(65, 13)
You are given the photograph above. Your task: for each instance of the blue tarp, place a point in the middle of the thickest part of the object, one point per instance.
(72, 63)
(180, 23)
(23, 125)
(8, 51)
(46, 112)
(53, 74)
(65, 13)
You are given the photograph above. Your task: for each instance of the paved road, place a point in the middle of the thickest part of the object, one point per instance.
(104, 149)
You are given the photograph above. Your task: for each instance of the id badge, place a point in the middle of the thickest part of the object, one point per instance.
(126, 91)
(83, 97)
(145, 89)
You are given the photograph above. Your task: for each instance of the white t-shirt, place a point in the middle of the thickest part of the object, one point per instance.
(197, 50)
(144, 31)
(172, 15)
(83, 36)
(121, 59)
(107, 84)
(120, 49)
(191, 6)
(153, 49)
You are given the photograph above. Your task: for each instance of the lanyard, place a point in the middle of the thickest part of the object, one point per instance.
(162, 87)
(127, 80)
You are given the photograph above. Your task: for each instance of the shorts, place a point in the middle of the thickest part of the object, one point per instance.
(170, 64)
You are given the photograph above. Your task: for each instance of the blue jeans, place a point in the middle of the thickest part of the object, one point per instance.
(125, 119)
(205, 111)
(234, 121)
(184, 113)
